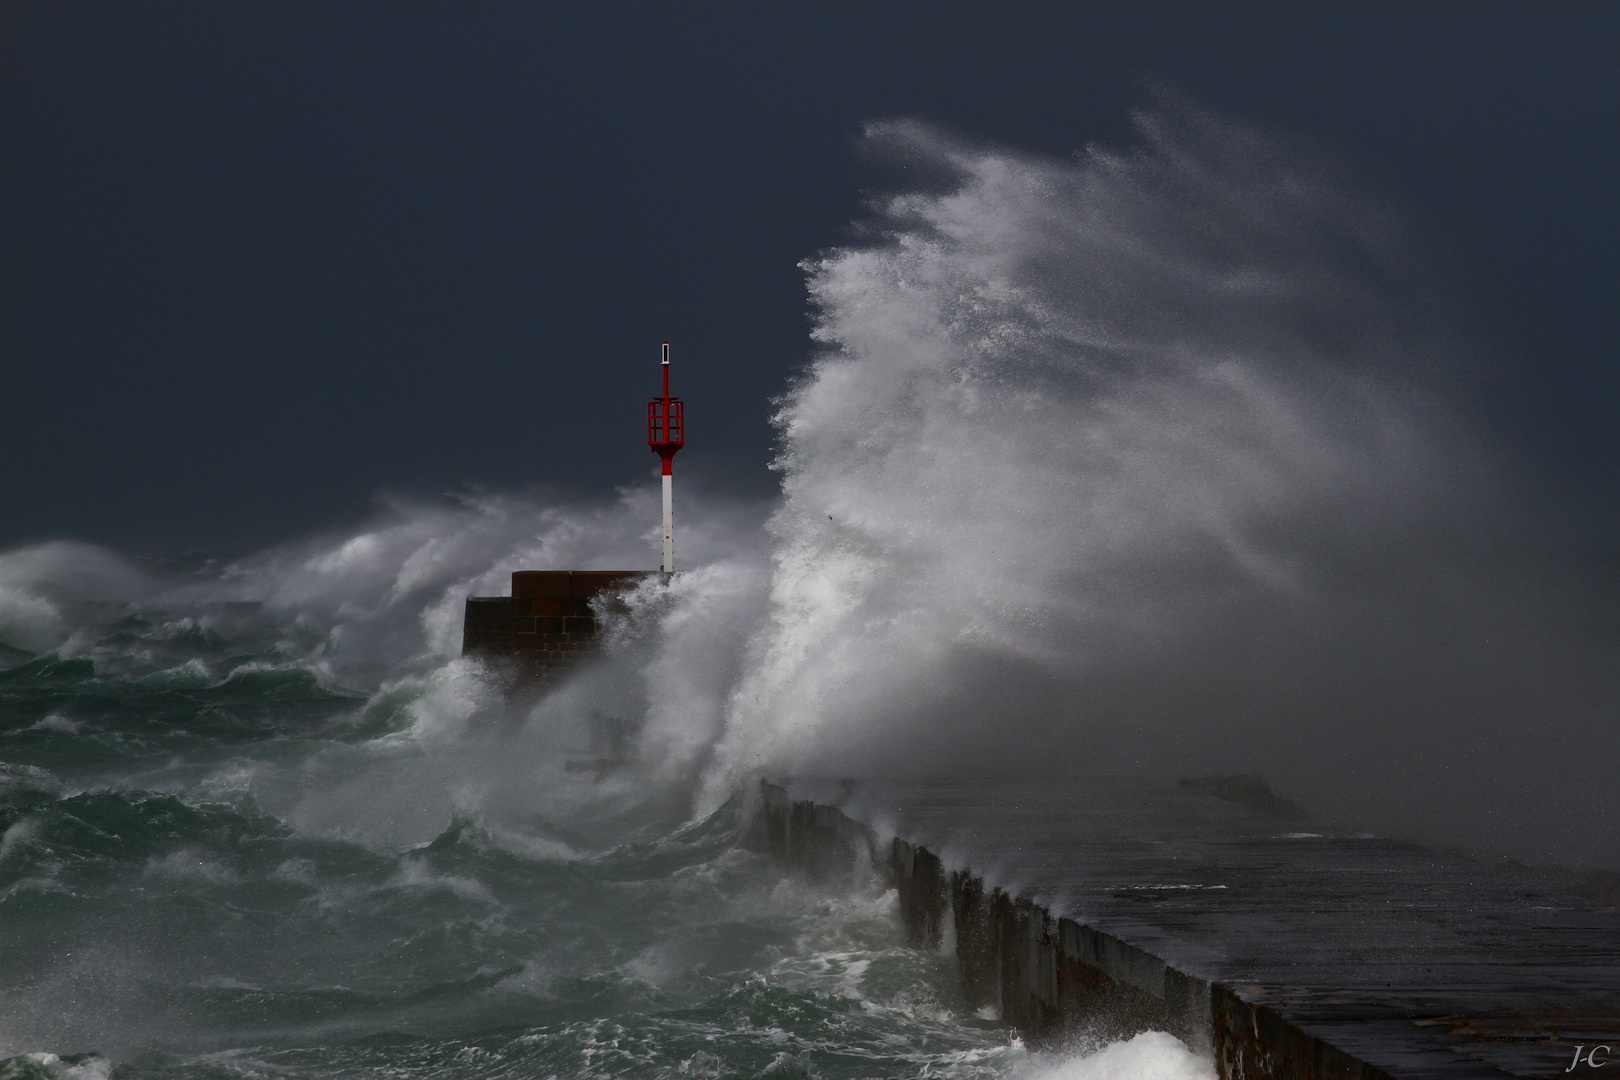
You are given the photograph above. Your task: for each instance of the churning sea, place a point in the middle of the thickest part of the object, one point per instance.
(168, 910)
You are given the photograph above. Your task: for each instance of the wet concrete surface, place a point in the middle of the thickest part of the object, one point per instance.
(1408, 962)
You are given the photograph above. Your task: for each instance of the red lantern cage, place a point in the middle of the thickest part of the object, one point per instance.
(666, 422)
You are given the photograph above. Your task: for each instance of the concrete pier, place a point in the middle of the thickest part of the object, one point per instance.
(548, 625)
(1282, 950)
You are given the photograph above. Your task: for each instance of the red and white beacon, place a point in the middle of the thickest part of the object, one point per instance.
(666, 433)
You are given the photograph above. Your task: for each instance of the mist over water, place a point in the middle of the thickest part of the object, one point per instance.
(1139, 461)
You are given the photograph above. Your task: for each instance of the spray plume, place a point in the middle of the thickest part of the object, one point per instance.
(1136, 462)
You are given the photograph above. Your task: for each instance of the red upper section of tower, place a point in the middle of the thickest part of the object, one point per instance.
(666, 422)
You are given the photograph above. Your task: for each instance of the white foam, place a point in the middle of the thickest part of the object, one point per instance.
(18, 833)
(1152, 1055)
(190, 866)
(37, 582)
(47, 1066)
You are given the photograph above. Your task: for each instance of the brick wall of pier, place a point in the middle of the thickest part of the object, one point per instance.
(549, 623)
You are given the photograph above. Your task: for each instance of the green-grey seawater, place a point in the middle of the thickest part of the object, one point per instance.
(157, 920)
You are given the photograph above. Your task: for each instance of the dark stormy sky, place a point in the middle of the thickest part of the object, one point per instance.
(262, 261)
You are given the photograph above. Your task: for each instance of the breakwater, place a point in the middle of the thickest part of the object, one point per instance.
(1285, 954)
(548, 625)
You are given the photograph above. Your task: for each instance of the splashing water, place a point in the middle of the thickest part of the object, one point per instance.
(1129, 461)
(1071, 414)
(1137, 462)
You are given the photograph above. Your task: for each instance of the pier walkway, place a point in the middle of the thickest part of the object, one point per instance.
(1287, 951)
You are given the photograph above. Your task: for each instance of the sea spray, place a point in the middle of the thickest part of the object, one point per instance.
(1141, 460)
(376, 613)
(1076, 413)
